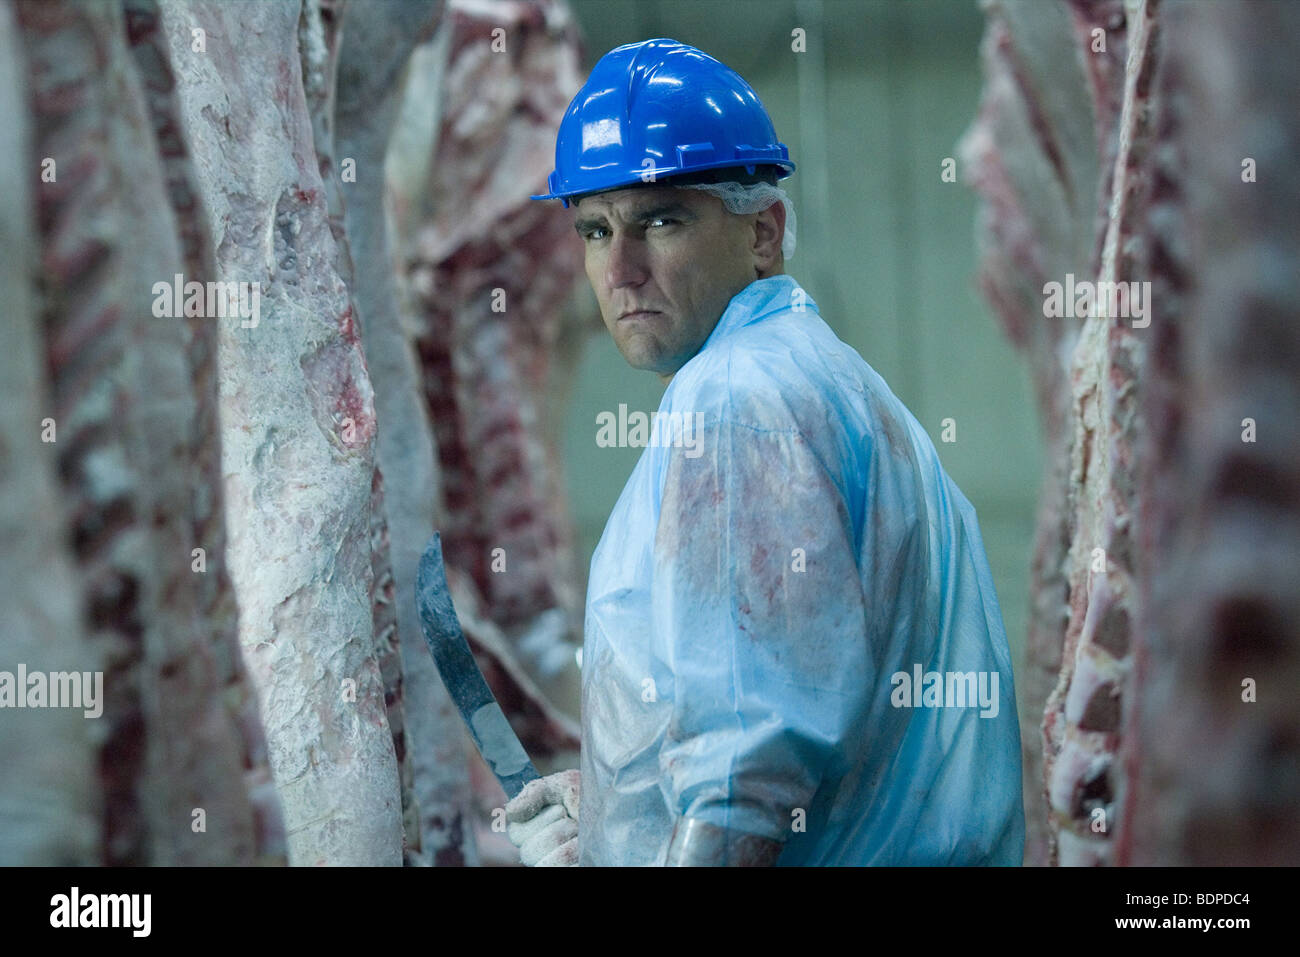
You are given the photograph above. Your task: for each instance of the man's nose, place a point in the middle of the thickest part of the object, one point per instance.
(625, 261)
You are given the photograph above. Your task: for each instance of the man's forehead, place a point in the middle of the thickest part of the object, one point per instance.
(637, 199)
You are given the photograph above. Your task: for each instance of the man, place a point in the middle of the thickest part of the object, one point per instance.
(793, 651)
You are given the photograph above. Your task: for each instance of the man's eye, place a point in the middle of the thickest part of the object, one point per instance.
(661, 219)
(591, 233)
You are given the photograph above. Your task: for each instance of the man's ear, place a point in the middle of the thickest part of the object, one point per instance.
(769, 230)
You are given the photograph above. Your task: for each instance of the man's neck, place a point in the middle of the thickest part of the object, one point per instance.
(777, 270)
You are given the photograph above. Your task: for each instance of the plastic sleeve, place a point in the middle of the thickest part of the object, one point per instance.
(758, 611)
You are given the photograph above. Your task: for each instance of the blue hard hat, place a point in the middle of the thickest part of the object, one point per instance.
(660, 108)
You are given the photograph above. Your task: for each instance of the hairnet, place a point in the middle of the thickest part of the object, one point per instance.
(752, 198)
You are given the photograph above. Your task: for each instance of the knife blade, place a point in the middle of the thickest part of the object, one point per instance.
(487, 723)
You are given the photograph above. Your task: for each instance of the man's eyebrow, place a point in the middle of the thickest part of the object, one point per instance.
(648, 212)
(663, 209)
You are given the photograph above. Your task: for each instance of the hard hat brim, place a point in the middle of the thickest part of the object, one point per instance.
(668, 177)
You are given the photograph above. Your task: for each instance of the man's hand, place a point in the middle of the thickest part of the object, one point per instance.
(543, 821)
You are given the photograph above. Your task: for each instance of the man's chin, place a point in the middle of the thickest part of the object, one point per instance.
(646, 360)
(642, 361)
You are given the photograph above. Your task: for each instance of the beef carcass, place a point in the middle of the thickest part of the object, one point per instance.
(371, 62)
(491, 276)
(50, 802)
(1170, 528)
(1211, 747)
(179, 747)
(1041, 154)
(298, 426)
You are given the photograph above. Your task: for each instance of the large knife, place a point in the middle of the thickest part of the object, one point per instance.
(487, 723)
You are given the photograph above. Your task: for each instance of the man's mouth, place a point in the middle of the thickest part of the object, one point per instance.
(638, 314)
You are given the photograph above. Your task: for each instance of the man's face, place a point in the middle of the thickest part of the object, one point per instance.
(674, 257)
